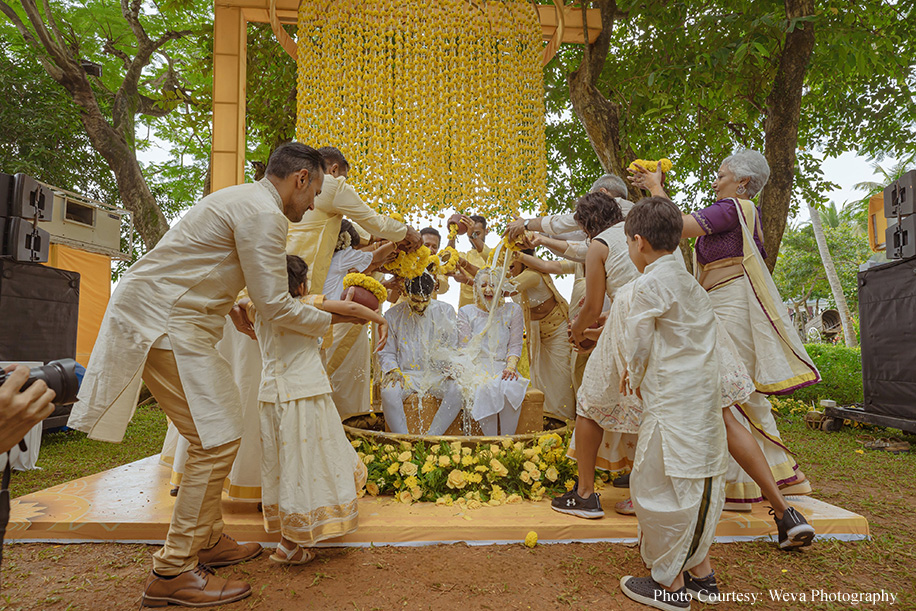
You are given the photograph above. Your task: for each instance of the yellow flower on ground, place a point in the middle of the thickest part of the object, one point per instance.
(552, 474)
(372, 488)
(445, 461)
(531, 539)
(393, 468)
(498, 468)
(457, 479)
(408, 468)
(444, 500)
(404, 456)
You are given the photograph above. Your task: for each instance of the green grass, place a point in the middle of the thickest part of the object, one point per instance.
(69, 455)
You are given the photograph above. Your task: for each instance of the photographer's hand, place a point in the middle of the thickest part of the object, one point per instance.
(20, 411)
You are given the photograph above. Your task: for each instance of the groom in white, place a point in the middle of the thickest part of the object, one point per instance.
(422, 338)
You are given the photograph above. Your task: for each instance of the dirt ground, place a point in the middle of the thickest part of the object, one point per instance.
(98, 577)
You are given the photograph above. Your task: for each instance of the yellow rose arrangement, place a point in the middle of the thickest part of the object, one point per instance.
(410, 264)
(367, 282)
(489, 474)
(652, 165)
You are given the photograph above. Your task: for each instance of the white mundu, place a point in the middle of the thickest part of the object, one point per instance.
(678, 481)
(494, 397)
(420, 345)
(310, 473)
(182, 291)
(348, 357)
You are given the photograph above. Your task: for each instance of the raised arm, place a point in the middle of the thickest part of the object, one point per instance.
(262, 255)
(595, 283)
(541, 265)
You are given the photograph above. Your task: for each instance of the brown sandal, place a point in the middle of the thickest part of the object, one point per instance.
(292, 557)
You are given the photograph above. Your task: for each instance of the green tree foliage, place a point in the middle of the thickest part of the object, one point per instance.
(692, 82)
(40, 129)
(799, 272)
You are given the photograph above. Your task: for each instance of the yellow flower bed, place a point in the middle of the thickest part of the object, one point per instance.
(452, 474)
(652, 165)
(367, 282)
(410, 264)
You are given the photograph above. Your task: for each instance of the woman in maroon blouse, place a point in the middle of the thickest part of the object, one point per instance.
(729, 252)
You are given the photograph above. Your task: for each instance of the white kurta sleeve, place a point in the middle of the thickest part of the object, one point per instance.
(648, 304)
(559, 223)
(388, 356)
(260, 245)
(516, 332)
(576, 251)
(348, 203)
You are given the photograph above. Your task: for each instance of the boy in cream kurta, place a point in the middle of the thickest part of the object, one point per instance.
(678, 479)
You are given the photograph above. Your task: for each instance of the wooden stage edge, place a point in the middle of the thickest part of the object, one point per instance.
(131, 504)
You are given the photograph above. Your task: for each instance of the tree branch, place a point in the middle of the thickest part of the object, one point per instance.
(131, 14)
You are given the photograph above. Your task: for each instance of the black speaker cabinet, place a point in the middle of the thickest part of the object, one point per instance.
(39, 310)
(900, 196)
(24, 242)
(887, 322)
(901, 238)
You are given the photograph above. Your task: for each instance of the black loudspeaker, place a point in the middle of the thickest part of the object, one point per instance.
(901, 238)
(23, 241)
(27, 198)
(887, 322)
(7, 182)
(900, 196)
(39, 312)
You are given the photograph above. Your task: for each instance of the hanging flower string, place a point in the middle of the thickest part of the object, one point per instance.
(438, 103)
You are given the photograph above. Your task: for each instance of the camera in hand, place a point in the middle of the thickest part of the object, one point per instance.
(63, 377)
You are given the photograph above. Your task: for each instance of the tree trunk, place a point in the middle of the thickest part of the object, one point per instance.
(781, 126)
(599, 116)
(832, 278)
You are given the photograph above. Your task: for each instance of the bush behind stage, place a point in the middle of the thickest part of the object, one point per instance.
(841, 375)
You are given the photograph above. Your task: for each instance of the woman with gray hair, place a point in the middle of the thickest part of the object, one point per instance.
(729, 257)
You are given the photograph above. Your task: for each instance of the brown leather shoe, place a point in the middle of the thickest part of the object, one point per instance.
(228, 551)
(197, 588)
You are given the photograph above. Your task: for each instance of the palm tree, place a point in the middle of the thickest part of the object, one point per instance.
(832, 278)
(858, 211)
(830, 216)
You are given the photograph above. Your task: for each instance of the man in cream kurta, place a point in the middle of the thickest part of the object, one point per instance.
(314, 237)
(163, 322)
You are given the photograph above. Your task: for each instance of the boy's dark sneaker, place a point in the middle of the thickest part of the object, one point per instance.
(575, 505)
(704, 589)
(622, 482)
(647, 591)
(794, 530)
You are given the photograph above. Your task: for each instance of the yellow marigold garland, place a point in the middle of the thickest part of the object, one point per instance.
(410, 264)
(367, 282)
(504, 246)
(652, 165)
(451, 263)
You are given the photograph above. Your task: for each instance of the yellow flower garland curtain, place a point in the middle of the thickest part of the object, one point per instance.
(438, 103)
